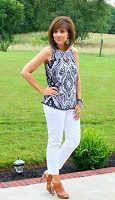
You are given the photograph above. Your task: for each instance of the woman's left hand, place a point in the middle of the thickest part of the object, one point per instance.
(77, 111)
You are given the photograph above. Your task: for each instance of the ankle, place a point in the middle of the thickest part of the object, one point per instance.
(56, 179)
(60, 191)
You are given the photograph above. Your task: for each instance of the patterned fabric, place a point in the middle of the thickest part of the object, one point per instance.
(61, 72)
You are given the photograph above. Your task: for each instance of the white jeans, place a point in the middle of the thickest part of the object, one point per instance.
(57, 122)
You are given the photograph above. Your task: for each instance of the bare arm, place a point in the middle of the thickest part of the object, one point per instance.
(77, 109)
(31, 66)
(78, 77)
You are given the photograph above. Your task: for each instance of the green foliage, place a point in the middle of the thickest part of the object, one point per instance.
(4, 45)
(88, 16)
(11, 17)
(40, 39)
(30, 8)
(112, 21)
(92, 153)
(100, 12)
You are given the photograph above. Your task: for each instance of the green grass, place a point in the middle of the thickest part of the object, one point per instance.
(31, 38)
(36, 40)
(23, 131)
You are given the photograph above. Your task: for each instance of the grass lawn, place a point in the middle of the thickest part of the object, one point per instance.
(36, 40)
(23, 131)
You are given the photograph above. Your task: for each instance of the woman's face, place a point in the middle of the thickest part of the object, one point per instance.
(60, 36)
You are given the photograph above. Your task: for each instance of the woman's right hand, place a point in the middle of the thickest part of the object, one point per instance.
(52, 91)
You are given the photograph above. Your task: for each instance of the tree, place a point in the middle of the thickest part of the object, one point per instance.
(111, 22)
(88, 15)
(11, 17)
(102, 14)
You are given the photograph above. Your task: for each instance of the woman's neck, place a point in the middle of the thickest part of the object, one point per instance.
(61, 47)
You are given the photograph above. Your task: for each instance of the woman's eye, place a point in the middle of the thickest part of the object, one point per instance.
(55, 32)
(62, 31)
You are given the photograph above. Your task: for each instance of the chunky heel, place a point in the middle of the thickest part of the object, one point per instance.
(48, 179)
(58, 188)
(42, 178)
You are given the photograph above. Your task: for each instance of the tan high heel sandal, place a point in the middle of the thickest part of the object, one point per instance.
(58, 188)
(48, 179)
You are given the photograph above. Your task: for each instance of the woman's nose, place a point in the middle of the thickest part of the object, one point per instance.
(58, 33)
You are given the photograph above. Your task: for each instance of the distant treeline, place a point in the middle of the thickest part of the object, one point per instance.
(22, 16)
(88, 15)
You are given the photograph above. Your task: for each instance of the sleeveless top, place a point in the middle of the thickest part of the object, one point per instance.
(61, 72)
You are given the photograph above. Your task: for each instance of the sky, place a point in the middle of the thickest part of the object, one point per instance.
(112, 2)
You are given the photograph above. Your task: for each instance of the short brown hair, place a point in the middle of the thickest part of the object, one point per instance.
(62, 22)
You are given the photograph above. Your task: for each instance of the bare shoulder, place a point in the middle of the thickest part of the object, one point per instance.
(47, 50)
(75, 51)
(76, 56)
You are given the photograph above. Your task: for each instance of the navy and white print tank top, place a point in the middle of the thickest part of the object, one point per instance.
(61, 72)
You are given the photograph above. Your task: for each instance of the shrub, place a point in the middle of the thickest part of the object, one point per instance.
(4, 45)
(40, 38)
(92, 153)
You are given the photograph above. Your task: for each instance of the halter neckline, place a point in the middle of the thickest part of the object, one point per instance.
(63, 51)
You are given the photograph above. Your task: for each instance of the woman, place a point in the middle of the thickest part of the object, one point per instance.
(62, 98)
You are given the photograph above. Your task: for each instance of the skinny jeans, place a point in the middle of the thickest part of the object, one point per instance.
(60, 122)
